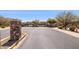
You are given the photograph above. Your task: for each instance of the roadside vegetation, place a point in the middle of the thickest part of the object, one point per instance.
(36, 23)
(4, 22)
(68, 21)
(65, 20)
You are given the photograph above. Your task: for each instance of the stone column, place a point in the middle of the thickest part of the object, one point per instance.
(15, 30)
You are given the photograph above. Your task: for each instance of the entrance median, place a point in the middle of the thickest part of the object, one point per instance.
(5, 40)
(7, 44)
(19, 43)
(16, 38)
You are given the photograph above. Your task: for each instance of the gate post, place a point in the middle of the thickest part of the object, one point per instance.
(15, 30)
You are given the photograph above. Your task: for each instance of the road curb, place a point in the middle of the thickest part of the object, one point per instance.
(68, 32)
(4, 28)
(20, 43)
(5, 40)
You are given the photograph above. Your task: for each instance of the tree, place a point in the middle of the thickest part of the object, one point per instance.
(76, 24)
(4, 21)
(51, 22)
(35, 22)
(42, 22)
(65, 18)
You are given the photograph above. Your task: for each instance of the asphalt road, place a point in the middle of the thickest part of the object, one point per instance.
(45, 38)
(4, 33)
(48, 38)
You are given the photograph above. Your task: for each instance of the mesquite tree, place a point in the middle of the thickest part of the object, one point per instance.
(66, 18)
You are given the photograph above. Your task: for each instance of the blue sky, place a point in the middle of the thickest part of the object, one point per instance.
(28, 15)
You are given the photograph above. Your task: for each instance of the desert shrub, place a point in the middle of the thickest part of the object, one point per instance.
(72, 28)
(2, 26)
(60, 27)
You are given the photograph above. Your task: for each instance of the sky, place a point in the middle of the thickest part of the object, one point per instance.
(29, 15)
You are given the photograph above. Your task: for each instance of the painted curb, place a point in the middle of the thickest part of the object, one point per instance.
(20, 43)
(4, 28)
(5, 40)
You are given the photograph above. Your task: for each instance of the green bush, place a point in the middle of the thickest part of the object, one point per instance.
(60, 27)
(72, 28)
(2, 26)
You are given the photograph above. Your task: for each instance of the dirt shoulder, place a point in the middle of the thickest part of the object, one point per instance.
(68, 32)
(5, 28)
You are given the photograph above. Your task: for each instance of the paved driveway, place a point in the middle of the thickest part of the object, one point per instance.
(4, 33)
(48, 38)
